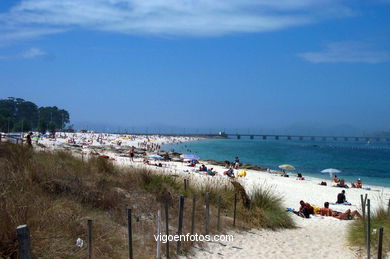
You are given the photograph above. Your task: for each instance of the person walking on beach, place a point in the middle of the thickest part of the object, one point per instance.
(341, 197)
(29, 140)
(131, 152)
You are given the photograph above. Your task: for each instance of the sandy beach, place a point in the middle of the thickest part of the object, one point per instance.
(317, 237)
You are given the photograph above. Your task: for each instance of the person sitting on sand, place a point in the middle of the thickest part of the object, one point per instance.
(229, 172)
(335, 179)
(211, 172)
(357, 185)
(341, 197)
(342, 184)
(325, 211)
(306, 209)
(203, 168)
(226, 164)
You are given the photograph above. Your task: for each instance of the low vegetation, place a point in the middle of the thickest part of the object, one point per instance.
(357, 234)
(55, 194)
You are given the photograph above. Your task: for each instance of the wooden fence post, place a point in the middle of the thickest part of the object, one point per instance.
(235, 208)
(180, 227)
(364, 217)
(207, 213)
(90, 247)
(24, 242)
(388, 208)
(167, 227)
(193, 215)
(158, 234)
(368, 229)
(130, 233)
(380, 241)
(219, 214)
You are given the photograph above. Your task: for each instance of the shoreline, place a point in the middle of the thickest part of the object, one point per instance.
(368, 181)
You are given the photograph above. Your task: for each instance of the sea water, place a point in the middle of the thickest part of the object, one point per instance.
(356, 159)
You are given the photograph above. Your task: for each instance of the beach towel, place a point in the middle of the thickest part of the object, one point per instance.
(345, 203)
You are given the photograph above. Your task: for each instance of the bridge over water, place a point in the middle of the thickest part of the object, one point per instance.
(276, 136)
(305, 137)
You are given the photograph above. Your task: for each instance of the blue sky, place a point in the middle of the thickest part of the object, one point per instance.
(320, 65)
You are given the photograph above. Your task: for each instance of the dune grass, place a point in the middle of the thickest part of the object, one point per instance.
(55, 193)
(356, 233)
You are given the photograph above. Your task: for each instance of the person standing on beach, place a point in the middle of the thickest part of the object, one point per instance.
(131, 152)
(236, 162)
(341, 197)
(28, 139)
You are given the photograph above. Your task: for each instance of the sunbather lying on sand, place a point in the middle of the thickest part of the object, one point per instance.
(347, 215)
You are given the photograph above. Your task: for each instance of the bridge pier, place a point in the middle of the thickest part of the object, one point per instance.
(356, 139)
(252, 137)
(289, 137)
(276, 137)
(300, 138)
(238, 136)
(264, 137)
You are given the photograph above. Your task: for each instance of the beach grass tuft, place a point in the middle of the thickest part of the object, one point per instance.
(356, 232)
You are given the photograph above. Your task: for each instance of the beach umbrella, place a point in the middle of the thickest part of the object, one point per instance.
(156, 157)
(189, 156)
(330, 171)
(287, 167)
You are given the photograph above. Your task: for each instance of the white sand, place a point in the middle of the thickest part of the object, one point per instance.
(317, 237)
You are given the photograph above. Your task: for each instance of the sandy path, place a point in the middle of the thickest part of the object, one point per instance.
(314, 238)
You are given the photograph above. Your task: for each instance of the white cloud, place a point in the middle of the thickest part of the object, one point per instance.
(32, 18)
(347, 52)
(30, 53)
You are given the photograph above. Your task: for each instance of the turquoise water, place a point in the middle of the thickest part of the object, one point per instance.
(370, 162)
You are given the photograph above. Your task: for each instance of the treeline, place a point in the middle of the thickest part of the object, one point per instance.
(18, 115)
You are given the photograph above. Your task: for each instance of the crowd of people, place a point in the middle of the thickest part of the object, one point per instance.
(149, 146)
(341, 183)
(306, 209)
